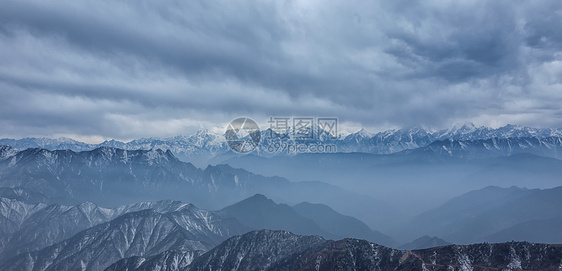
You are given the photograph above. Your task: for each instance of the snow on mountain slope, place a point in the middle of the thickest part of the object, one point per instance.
(52, 224)
(257, 250)
(279, 250)
(143, 233)
(171, 260)
(29, 227)
(13, 214)
(495, 147)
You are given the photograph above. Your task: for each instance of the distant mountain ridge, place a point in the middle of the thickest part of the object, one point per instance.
(202, 146)
(495, 214)
(494, 147)
(259, 212)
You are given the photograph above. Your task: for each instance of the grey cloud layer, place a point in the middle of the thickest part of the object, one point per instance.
(157, 68)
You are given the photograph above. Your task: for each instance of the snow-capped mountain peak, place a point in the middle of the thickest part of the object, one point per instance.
(364, 133)
(201, 147)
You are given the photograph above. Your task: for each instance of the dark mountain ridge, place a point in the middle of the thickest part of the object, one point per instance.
(280, 250)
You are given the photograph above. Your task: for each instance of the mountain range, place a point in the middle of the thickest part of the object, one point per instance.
(201, 147)
(281, 250)
(111, 177)
(33, 227)
(142, 233)
(59, 237)
(170, 235)
(120, 206)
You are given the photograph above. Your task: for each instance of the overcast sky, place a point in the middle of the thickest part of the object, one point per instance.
(95, 70)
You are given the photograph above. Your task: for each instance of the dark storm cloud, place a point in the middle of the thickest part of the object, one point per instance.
(461, 41)
(157, 68)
